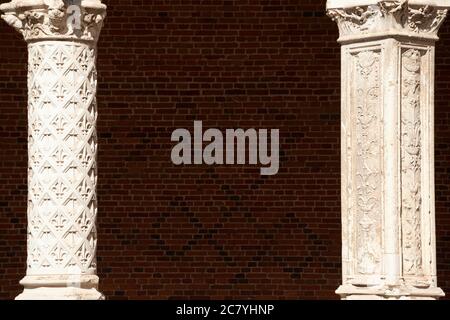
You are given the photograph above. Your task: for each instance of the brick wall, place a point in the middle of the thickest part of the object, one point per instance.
(210, 232)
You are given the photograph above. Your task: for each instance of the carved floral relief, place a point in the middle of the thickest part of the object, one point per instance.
(62, 158)
(388, 15)
(367, 170)
(411, 156)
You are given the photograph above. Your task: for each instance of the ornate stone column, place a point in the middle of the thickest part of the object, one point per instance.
(62, 172)
(388, 212)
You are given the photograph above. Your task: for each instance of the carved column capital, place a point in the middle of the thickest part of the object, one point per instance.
(80, 20)
(362, 19)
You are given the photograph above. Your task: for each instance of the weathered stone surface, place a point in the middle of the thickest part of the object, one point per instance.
(62, 173)
(388, 209)
(365, 20)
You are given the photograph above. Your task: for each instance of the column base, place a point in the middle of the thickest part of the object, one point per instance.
(62, 287)
(351, 292)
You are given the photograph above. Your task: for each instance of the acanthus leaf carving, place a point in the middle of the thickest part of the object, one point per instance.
(54, 19)
(400, 17)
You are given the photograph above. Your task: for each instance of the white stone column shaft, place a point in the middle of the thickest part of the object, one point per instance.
(62, 146)
(388, 53)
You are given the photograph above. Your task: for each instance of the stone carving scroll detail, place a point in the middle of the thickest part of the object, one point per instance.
(411, 156)
(368, 168)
